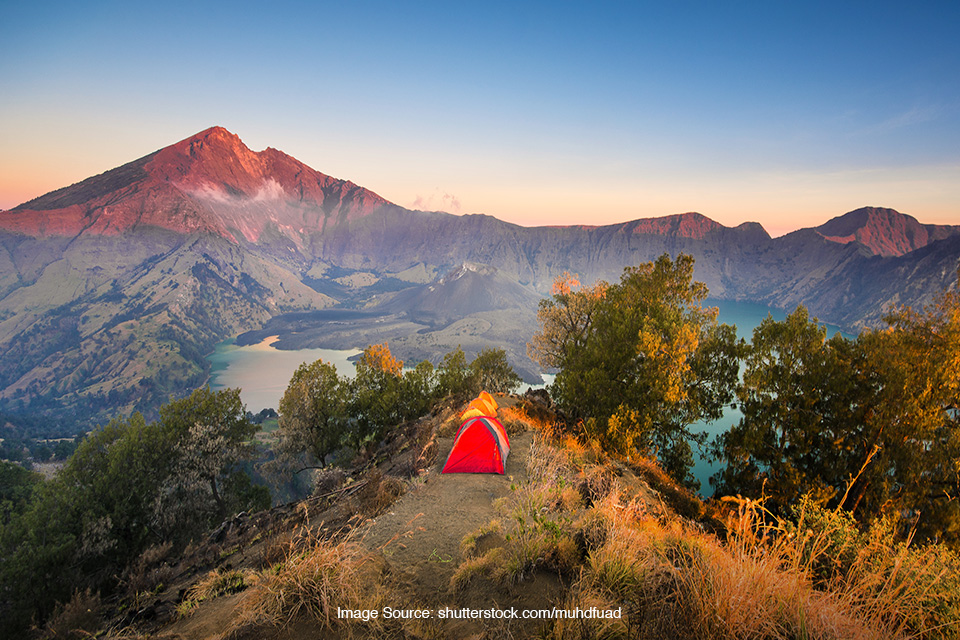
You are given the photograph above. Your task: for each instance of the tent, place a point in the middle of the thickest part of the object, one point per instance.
(481, 446)
(482, 405)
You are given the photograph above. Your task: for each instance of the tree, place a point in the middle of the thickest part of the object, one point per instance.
(211, 436)
(640, 360)
(128, 485)
(916, 470)
(805, 403)
(313, 411)
(16, 487)
(453, 374)
(375, 398)
(418, 390)
(89, 521)
(565, 320)
(868, 425)
(491, 372)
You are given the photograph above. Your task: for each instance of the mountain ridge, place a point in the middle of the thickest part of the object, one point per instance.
(886, 232)
(140, 270)
(210, 182)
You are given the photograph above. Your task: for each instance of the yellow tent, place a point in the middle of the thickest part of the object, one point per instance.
(482, 405)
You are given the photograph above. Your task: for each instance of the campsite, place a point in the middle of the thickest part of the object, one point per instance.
(567, 542)
(396, 545)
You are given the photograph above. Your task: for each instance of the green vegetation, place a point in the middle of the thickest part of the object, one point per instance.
(320, 412)
(313, 411)
(130, 484)
(491, 372)
(16, 487)
(867, 425)
(640, 360)
(836, 514)
(810, 574)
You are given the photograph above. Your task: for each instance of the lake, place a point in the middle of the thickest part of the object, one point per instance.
(263, 372)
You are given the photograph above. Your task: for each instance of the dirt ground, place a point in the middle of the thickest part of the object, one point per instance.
(420, 535)
(416, 542)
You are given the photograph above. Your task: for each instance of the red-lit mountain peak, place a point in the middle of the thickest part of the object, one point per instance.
(681, 225)
(885, 232)
(209, 182)
(214, 157)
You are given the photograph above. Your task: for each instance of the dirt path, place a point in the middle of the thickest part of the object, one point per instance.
(420, 534)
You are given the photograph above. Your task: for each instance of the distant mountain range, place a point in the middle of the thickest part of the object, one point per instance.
(114, 288)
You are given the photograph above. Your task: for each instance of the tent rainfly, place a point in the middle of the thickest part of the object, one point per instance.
(482, 405)
(481, 446)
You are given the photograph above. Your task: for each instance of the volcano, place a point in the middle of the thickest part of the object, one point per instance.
(113, 290)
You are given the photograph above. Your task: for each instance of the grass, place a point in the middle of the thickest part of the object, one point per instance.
(816, 575)
(316, 578)
(215, 584)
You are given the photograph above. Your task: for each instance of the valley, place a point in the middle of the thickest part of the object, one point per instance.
(114, 290)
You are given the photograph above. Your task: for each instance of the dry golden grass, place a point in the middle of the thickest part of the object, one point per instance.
(522, 420)
(313, 580)
(219, 583)
(683, 501)
(79, 618)
(898, 589)
(816, 577)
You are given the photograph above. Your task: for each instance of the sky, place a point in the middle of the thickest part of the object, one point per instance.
(783, 113)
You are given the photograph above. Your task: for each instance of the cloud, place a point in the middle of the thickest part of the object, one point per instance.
(437, 201)
(269, 191)
(916, 115)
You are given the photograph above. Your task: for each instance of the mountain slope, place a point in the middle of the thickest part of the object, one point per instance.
(113, 289)
(87, 341)
(884, 232)
(208, 183)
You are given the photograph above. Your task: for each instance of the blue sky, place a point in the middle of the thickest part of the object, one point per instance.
(538, 113)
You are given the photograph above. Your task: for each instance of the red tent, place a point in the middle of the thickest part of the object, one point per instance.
(481, 446)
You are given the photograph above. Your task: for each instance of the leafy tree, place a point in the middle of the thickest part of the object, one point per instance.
(491, 372)
(640, 360)
(211, 436)
(375, 399)
(565, 320)
(313, 411)
(805, 403)
(418, 389)
(128, 485)
(16, 487)
(86, 523)
(868, 425)
(453, 374)
(320, 411)
(915, 424)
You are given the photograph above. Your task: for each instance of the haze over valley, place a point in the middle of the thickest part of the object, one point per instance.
(113, 290)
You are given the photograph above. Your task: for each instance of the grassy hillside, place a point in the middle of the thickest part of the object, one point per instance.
(567, 527)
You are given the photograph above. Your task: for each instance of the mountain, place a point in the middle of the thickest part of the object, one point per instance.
(208, 183)
(113, 289)
(885, 232)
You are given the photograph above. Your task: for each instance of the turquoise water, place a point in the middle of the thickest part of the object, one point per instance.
(746, 316)
(262, 372)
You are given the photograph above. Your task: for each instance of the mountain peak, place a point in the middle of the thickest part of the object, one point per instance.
(216, 132)
(214, 157)
(208, 182)
(681, 225)
(885, 232)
